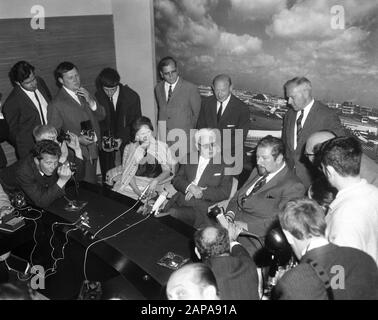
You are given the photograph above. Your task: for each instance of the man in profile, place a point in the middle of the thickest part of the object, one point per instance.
(178, 100)
(74, 109)
(25, 107)
(325, 270)
(194, 281)
(304, 117)
(234, 270)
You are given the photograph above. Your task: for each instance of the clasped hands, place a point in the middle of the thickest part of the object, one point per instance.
(194, 191)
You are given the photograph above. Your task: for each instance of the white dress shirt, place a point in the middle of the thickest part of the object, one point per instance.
(306, 111)
(42, 100)
(115, 98)
(167, 85)
(224, 104)
(202, 164)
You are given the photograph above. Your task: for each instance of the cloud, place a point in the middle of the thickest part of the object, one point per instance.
(256, 9)
(197, 9)
(238, 45)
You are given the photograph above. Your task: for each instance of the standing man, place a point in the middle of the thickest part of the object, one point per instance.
(224, 111)
(122, 107)
(270, 186)
(73, 107)
(178, 100)
(26, 106)
(305, 117)
(352, 220)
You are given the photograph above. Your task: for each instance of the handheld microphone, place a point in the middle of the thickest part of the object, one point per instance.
(159, 201)
(144, 193)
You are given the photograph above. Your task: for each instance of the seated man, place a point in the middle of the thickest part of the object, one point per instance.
(200, 185)
(234, 269)
(352, 274)
(70, 148)
(194, 281)
(38, 175)
(270, 186)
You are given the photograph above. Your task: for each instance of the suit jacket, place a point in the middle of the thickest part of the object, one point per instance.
(183, 108)
(64, 112)
(235, 116)
(359, 276)
(213, 178)
(260, 209)
(319, 118)
(22, 117)
(236, 275)
(119, 121)
(4, 132)
(39, 190)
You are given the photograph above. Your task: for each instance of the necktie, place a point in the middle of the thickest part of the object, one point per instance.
(169, 93)
(299, 124)
(219, 113)
(258, 185)
(111, 102)
(40, 108)
(81, 99)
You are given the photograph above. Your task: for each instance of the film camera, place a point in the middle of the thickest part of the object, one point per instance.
(109, 143)
(63, 136)
(87, 129)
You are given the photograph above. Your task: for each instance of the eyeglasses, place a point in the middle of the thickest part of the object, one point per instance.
(170, 73)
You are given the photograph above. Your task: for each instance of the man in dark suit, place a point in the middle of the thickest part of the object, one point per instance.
(122, 107)
(226, 113)
(178, 101)
(74, 109)
(325, 271)
(38, 175)
(270, 186)
(234, 270)
(25, 107)
(305, 117)
(200, 184)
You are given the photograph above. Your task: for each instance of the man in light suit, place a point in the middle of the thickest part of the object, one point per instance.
(305, 117)
(201, 184)
(225, 112)
(26, 106)
(178, 101)
(234, 270)
(73, 107)
(270, 186)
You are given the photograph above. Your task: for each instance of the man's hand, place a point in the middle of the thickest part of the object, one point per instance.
(85, 140)
(64, 174)
(74, 144)
(153, 185)
(64, 150)
(233, 231)
(119, 143)
(196, 191)
(84, 93)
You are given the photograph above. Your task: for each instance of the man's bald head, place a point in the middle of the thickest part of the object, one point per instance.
(314, 142)
(212, 242)
(194, 281)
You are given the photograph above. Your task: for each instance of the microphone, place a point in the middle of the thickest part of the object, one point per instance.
(144, 193)
(159, 201)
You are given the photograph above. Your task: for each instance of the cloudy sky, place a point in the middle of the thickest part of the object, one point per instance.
(263, 43)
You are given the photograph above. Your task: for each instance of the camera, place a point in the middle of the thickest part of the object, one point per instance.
(215, 211)
(109, 143)
(90, 133)
(63, 136)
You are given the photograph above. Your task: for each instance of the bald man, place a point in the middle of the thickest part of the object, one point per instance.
(234, 270)
(194, 281)
(368, 170)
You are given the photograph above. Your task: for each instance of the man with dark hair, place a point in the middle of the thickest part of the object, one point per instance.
(25, 107)
(234, 270)
(325, 270)
(353, 216)
(194, 281)
(368, 170)
(303, 118)
(38, 175)
(224, 111)
(122, 107)
(270, 186)
(178, 100)
(74, 109)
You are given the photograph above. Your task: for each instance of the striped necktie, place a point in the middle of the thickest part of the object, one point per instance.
(169, 93)
(299, 124)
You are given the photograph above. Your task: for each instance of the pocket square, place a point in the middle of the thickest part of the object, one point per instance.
(217, 174)
(231, 125)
